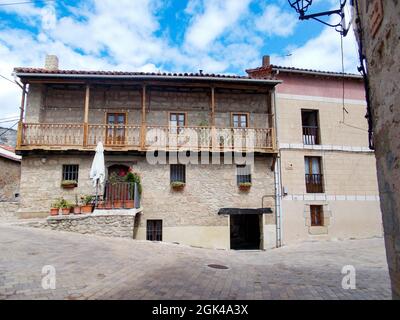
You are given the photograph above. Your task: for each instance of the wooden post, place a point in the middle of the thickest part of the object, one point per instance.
(86, 117)
(143, 126)
(21, 117)
(213, 130)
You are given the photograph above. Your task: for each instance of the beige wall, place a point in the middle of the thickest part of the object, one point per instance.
(350, 200)
(353, 132)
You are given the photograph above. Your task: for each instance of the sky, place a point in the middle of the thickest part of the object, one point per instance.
(216, 36)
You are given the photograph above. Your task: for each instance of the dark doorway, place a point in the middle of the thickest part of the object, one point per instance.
(245, 232)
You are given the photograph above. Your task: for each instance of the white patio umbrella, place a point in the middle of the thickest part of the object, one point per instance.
(97, 172)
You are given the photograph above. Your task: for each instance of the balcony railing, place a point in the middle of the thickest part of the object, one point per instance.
(314, 183)
(310, 135)
(131, 137)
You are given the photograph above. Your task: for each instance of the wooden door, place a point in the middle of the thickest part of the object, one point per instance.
(115, 132)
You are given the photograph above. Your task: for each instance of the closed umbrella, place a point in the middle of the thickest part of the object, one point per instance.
(97, 172)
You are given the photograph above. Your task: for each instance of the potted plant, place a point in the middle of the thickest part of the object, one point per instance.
(76, 208)
(87, 206)
(65, 207)
(178, 185)
(69, 184)
(100, 205)
(245, 186)
(55, 208)
(132, 178)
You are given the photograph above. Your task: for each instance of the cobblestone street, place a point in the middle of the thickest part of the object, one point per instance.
(92, 267)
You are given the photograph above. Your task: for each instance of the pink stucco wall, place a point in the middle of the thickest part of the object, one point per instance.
(299, 84)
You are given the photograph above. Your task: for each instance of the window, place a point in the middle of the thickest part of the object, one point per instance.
(154, 230)
(70, 172)
(314, 178)
(177, 173)
(309, 120)
(176, 122)
(240, 120)
(116, 128)
(243, 174)
(317, 216)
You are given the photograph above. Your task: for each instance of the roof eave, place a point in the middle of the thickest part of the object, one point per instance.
(316, 73)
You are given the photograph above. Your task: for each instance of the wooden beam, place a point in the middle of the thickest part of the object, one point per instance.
(21, 117)
(143, 127)
(86, 116)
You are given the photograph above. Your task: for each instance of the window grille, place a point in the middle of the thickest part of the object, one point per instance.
(243, 174)
(154, 230)
(178, 173)
(70, 172)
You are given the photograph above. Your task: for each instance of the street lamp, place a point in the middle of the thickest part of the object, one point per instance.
(302, 6)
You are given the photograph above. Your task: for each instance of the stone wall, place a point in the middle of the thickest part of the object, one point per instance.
(111, 225)
(8, 137)
(10, 172)
(208, 188)
(66, 105)
(8, 210)
(380, 39)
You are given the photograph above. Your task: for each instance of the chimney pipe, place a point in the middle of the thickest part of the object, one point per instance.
(51, 62)
(266, 61)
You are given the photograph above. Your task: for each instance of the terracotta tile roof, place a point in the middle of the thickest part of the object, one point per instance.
(300, 70)
(123, 73)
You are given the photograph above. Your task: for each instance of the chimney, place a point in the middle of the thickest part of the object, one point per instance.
(51, 62)
(266, 61)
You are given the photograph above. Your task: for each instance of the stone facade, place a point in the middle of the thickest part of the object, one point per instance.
(8, 137)
(195, 209)
(10, 174)
(379, 36)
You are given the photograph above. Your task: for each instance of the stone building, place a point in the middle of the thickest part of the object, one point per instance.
(216, 133)
(327, 171)
(377, 28)
(315, 180)
(10, 175)
(8, 137)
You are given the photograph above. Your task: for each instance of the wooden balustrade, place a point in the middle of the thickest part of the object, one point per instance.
(314, 183)
(155, 137)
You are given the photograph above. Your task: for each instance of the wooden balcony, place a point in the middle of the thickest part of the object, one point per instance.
(314, 183)
(41, 136)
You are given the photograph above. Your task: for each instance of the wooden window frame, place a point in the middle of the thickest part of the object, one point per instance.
(107, 141)
(154, 230)
(247, 114)
(180, 179)
(177, 113)
(310, 173)
(316, 210)
(71, 174)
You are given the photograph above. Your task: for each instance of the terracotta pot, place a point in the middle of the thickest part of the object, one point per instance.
(129, 204)
(108, 205)
(76, 210)
(178, 188)
(54, 211)
(118, 204)
(66, 211)
(244, 188)
(86, 209)
(100, 205)
(69, 186)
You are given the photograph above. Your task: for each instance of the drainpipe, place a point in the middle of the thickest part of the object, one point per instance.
(278, 181)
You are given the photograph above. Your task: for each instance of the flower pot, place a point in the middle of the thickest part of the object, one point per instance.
(129, 204)
(178, 188)
(69, 186)
(66, 211)
(244, 188)
(108, 205)
(54, 211)
(118, 204)
(100, 205)
(76, 210)
(86, 209)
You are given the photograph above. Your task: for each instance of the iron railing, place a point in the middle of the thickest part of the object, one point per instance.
(310, 135)
(314, 183)
(120, 195)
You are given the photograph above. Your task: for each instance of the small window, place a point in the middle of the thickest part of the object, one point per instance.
(317, 216)
(177, 173)
(240, 120)
(314, 177)
(70, 172)
(154, 230)
(309, 119)
(243, 174)
(176, 122)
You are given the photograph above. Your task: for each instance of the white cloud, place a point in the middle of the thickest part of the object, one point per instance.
(218, 17)
(275, 21)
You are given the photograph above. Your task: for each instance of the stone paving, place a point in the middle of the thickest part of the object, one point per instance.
(94, 267)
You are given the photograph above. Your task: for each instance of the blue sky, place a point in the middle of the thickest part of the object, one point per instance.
(217, 36)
